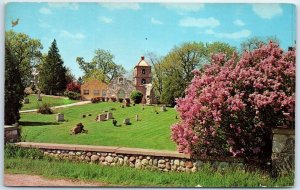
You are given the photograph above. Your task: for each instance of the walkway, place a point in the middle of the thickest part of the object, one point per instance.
(62, 106)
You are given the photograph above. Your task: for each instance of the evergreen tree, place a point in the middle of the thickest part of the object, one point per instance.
(14, 89)
(53, 72)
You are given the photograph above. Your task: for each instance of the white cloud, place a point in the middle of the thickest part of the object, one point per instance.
(239, 22)
(45, 11)
(184, 7)
(67, 34)
(105, 19)
(199, 22)
(120, 6)
(44, 24)
(234, 35)
(267, 11)
(155, 21)
(71, 6)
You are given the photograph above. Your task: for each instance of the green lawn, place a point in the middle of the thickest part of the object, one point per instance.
(53, 101)
(152, 132)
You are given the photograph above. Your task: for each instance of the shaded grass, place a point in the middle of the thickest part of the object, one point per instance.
(151, 132)
(53, 101)
(125, 176)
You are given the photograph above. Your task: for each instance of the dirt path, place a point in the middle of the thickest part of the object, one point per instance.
(35, 180)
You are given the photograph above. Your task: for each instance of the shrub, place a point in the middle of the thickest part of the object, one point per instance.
(95, 100)
(120, 100)
(114, 122)
(107, 99)
(73, 87)
(113, 99)
(72, 95)
(45, 108)
(103, 99)
(230, 107)
(127, 100)
(136, 96)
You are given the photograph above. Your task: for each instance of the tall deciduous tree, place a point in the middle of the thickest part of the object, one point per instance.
(53, 72)
(14, 88)
(256, 42)
(102, 66)
(26, 52)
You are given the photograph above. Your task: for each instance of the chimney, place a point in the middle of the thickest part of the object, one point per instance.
(142, 57)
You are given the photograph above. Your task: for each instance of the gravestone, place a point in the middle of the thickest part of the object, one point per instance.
(26, 101)
(38, 97)
(137, 117)
(102, 117)
(163, 108)
(126, 121)
(60, 117)
(109, 115)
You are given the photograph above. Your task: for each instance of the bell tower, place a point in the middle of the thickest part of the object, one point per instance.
(142, 77)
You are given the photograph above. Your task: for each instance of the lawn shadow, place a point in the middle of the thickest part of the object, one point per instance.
(32, 123)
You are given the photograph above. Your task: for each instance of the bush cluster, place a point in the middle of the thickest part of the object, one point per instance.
(45, 108)
(136, 96)
(231, 105)
(72, 95)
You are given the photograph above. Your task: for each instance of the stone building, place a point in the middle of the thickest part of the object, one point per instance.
(93, 89)
(143, 81)
(120, 88)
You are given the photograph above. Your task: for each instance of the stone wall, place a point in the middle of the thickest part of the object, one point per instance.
(283, 151)
(131, 157)
(11, 134)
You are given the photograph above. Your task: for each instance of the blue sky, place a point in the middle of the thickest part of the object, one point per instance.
(129, 30)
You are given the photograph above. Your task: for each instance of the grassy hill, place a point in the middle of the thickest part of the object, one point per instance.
(152, 131)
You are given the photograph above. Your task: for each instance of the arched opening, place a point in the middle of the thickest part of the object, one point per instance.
(121, 93)
(143, 81)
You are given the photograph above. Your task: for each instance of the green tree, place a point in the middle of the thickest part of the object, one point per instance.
(177, 68)
(101, 66)
(53, 72)
(69, 76)
(26, 52)
(173, 73)
(218, 47)
(14, 88)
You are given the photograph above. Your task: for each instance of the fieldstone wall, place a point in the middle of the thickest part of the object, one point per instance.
(283, 151)
(11, 134)
(131, 157)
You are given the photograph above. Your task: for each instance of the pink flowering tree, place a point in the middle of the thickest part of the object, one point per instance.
(73, 87)
(232, 104)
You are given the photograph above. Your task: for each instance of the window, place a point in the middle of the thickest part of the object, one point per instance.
(103, 93)
(86, 92)
(143, 81)
(96, 92)
(143, 71)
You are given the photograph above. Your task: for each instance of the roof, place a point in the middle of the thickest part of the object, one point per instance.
(142, 62)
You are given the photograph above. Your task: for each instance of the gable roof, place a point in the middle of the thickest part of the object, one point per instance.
(142, 62)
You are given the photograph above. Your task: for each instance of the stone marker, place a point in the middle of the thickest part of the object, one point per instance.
(102, 117)
(109, 115)
(126, 121)
(38, 97)
(137, 117)
(26, 101)
(60, 117)
(163, 108)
